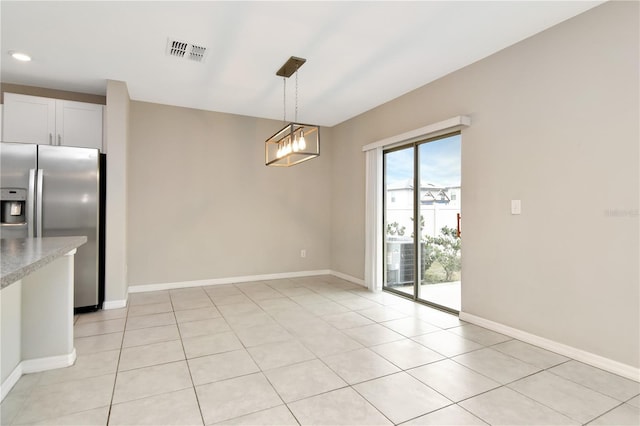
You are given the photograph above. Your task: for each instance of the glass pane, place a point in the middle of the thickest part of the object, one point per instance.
(439, 207)
(398, 217)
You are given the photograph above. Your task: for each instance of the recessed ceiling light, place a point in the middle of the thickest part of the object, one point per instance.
(20, 56)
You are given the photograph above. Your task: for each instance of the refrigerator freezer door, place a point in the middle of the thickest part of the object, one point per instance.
(18, 165)
(70, 206)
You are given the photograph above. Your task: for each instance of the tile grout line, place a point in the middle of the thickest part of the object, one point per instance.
(606, 412)
(24, 403)
(450, 358)
(585, 386)
(296, 338)
(88, 377)
(545, 369)
(186, 361)
(260, 370)
(348, 385)
(115, 378)
(542, 403)
(376, 408)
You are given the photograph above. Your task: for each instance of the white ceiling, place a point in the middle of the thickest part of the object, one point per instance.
(359, 54)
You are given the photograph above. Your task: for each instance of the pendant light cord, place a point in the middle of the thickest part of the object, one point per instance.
(296, 113)
(284, 99)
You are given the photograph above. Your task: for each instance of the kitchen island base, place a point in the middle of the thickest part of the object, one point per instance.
(36, 321)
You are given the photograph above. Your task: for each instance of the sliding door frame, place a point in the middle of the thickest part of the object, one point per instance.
(416, 222)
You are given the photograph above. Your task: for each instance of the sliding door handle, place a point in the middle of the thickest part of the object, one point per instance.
(458, 233)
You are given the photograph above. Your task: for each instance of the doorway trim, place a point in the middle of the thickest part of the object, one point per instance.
(373, 190)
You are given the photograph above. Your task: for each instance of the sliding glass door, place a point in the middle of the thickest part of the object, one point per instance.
(422, 195)
(399, 207)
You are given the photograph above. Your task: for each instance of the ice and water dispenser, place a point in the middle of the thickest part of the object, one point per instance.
(13, 210)
(13, 204)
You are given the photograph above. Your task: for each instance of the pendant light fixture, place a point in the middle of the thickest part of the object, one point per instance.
(295, 142)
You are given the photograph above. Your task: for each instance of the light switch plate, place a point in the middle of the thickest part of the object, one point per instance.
(516, 207)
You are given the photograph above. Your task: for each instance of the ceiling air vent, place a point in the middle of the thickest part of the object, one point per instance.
(197, 53)
(182, 49)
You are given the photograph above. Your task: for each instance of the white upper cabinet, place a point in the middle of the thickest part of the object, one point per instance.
(28, 119)
(33, 119)
(79, 124)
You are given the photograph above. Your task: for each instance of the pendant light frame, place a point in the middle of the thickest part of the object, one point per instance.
(295, 142)
(287, 139)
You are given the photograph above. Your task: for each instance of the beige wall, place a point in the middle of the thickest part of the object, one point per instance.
(116, 144)
(555, 124)
(202, 204)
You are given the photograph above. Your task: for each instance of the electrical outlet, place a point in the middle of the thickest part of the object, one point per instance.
(303, 253)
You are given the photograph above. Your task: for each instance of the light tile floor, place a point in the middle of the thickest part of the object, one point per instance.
(315, 350)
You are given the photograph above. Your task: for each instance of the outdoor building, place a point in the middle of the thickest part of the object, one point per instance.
(439, 207)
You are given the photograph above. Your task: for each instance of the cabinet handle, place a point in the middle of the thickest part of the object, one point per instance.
(59, 140)
(50, 139)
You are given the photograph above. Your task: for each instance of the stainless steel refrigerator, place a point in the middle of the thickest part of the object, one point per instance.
(53, 191)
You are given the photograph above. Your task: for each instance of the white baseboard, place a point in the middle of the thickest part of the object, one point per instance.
(48, 363)
(35, 366)
(114, 304)
(11, 381)
(228, 280)
(598, 361)
(348, 278)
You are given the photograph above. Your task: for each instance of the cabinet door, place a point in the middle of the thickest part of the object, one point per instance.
(28, 119)
(78, 124)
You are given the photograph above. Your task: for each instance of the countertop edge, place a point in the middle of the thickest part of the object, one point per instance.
(61, 246)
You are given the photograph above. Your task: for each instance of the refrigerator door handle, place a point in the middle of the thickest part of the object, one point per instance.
(30, 199)
(39, 204)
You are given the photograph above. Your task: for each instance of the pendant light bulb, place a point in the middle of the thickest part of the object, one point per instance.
(295, 144)
(302, 144)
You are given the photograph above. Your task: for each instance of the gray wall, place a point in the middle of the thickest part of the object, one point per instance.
(202, 204)
(555, 124)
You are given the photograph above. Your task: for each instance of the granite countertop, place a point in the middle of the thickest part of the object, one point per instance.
(20, 257)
